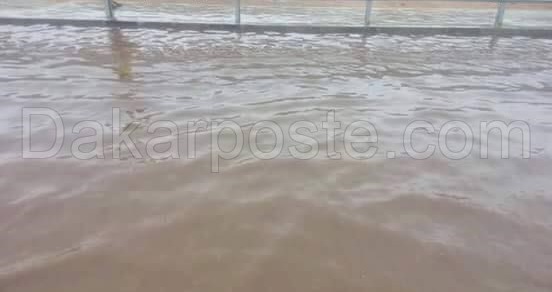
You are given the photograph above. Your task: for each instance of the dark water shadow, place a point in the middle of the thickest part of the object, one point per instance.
(493, 42)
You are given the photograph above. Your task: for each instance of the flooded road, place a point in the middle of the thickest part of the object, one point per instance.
(387, 223)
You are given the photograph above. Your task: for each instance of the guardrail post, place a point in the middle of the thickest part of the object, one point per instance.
(237, 12)
(500, 14)
(109, 9)
(367, 12)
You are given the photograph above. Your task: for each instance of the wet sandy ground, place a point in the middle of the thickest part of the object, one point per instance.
(316, 12)
(318, 225)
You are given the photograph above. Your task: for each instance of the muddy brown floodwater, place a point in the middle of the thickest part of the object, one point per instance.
(323, 224)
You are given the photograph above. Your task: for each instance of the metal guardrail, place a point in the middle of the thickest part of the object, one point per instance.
(109, 9)
(499, 19)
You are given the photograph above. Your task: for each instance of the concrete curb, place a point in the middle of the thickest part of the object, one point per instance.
(459, 31)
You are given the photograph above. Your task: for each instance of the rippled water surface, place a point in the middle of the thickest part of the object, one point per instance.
(325, 224)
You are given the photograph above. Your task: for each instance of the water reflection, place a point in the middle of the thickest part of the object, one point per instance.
(122, 51)
(493, 42)
(123, 54)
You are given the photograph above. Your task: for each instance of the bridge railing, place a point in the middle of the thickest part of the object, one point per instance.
(501, 6)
